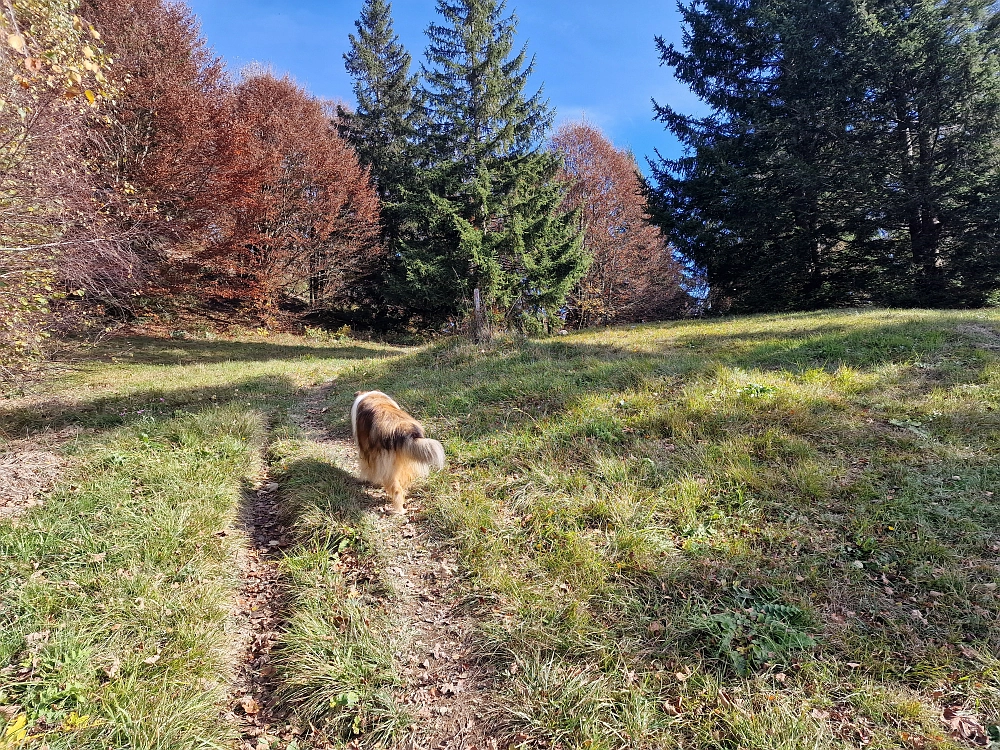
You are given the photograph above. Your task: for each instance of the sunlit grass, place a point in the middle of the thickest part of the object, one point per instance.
(766, 532)
(805, 496)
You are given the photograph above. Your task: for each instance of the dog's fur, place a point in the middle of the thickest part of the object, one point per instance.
(392, 449)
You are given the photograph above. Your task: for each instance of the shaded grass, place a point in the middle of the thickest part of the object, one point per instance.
(803, 495)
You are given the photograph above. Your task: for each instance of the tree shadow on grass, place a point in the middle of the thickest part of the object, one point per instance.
(110, 412)
(315, 487)
(149, 350)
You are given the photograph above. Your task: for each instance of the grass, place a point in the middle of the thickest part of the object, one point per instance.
(765, 532)
(115, 595)
(335, 655)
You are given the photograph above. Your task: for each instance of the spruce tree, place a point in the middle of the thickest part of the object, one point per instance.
(487, 212)
(849, 156)
(936, 92)
(382, 128)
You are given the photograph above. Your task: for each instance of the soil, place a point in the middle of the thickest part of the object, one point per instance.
(30, 468)
(260, 612)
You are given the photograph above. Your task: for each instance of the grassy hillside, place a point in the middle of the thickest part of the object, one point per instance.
(767, 532)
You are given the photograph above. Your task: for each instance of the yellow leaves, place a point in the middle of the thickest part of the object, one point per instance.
(17, 43)
(74, 722)
(16, 734)
(90, 97)
(87, 52)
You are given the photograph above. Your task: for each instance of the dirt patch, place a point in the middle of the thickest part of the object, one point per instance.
(448, 689)
(25, 476)
(984, 336)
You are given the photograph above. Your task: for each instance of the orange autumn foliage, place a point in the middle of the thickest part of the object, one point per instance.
(306, 223)
(633, 275)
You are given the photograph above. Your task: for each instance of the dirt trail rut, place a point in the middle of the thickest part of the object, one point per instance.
(260, 612)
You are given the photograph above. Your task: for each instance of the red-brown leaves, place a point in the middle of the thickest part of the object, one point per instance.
(302, 216)
(633, 275)
(242, 191)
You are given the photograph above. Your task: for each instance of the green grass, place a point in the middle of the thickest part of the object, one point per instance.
(723, 533)
(765, 532)
(115, 595)
(335, 656)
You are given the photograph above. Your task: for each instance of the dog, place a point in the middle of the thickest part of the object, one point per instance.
(392, 449)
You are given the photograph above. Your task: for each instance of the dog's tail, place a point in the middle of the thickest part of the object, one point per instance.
(425, 451)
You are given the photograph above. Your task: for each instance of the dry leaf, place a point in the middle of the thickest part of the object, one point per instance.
(151, 660)
(112, 669)
(965, 727)
(16, 42)
(967, 652)
(727, 701)
(451, 688)
(33, 64)
(655, 627)
(99, 557)
(819, 714)
(914, 741)
(672, 707)
(41, 636)
(250, 706)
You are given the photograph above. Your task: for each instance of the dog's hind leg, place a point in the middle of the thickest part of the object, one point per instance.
(397, 494)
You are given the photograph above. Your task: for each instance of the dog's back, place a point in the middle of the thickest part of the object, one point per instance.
(392, 448)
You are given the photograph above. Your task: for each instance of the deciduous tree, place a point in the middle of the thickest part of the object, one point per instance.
(633, 275)
(51, 75)
(162, 153)
(306, 223)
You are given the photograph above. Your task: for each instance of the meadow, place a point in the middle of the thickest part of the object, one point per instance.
(760, 532)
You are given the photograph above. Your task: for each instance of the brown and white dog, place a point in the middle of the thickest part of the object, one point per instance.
(392, 449)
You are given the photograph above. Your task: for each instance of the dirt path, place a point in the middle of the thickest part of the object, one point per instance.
(260, 611)
(446, 691)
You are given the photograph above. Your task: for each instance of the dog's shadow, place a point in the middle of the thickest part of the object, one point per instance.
(316, 491)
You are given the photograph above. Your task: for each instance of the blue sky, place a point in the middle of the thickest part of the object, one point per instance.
(596, 58)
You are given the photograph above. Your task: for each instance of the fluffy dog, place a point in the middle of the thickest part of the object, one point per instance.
(392, 449)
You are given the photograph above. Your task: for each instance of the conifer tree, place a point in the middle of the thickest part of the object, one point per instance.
(382, 128)
(850, 155)
(487, 213)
